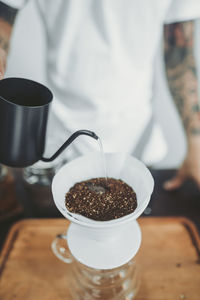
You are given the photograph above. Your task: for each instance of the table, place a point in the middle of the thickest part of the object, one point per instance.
(169, 261)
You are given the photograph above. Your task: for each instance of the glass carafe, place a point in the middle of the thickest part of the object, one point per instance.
(37, 184)
(85, 283)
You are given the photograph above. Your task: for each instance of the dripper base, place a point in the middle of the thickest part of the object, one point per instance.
(104, 248)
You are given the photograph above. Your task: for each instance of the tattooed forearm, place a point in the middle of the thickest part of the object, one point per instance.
(4, 44)
(182, 74)
(5, 33)
(7, 17)
(7, 13)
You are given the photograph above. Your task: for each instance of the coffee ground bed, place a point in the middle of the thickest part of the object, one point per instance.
(101, 199)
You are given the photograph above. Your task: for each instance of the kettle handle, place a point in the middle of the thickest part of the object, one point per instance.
(60, 248)
(69, 141)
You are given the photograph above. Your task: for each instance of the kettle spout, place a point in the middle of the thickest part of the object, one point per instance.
(69, 141)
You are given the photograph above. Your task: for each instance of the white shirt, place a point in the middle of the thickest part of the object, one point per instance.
(100, 66)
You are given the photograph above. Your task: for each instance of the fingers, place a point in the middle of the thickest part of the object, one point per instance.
(1, 75)
(2, 70)
(197, 180)
(175, 182)
(2, 63)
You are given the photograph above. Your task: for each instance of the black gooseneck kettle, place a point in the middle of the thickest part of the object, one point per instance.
(24, 107)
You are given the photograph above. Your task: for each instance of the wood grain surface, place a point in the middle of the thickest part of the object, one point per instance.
(169, 259)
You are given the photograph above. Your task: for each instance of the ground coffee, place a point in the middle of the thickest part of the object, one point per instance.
(100, 199)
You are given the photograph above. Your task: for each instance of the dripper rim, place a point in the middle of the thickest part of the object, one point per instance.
(111, 223)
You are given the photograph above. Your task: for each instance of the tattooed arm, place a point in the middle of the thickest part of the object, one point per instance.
(7, 17)
(182, 79)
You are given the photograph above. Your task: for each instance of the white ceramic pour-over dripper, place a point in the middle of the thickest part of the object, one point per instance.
(104, 244)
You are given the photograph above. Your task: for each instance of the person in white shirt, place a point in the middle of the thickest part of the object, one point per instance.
(99, 65)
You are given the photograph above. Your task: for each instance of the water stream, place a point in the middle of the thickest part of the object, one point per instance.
(103, 158)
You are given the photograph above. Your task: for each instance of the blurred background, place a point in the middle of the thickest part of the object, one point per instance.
(27, 194)
(27, 59)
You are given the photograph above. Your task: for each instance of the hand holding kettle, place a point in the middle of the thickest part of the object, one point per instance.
(3, 56)
(7, 17)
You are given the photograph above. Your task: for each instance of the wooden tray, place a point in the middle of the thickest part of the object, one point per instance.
(169, 258)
